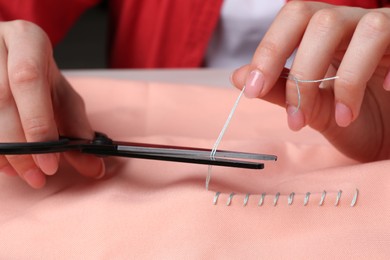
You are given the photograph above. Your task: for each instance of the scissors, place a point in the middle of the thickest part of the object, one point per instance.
(102, 145)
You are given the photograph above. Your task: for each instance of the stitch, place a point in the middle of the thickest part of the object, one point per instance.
(322, 198)
(354, 199)
(261, 200)
(216, 197)
(306, 200)
(338, 198)
(230, 199)
(246, 199)
(276, 198)
(290, 198)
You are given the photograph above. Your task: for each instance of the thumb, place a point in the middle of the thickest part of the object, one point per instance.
(276, 95)
(238, 77)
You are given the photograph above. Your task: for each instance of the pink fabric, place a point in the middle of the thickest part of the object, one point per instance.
(151, 209)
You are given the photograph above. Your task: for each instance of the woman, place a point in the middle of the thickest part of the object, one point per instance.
(37, 103)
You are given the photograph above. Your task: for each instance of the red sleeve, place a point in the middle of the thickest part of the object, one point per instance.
(384, 3)
(357, 3)
(55, 17)
(161, 34)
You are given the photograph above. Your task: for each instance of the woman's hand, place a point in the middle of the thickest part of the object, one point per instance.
(353, 111)
(37, 104)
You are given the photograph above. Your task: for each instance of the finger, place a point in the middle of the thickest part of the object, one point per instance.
(277, 45)
(327, 29)
(12, 132)
(87, 165)
(73, 121)
(386, 82)
(28, 77)
(238, 76)
(6, 168)
(27, 170)
(369, 43)
(277, 95)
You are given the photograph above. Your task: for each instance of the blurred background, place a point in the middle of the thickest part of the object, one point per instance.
(85, 45)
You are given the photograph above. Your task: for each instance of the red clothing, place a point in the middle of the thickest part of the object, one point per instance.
(144, 34)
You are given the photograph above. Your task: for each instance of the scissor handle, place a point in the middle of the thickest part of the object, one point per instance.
(35, 147)
(101, 139)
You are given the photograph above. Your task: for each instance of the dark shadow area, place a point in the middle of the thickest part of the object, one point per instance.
(85, 45)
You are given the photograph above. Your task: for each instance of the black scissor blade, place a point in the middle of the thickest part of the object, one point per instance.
(179, 158)
(178, 150)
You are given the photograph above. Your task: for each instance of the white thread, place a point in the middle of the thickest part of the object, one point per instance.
(306, 200)
(230, 199)
(322, 198)
(246, 199)
(338, 198)
(208, 177)
(261, 201)
(226, 125)
(221, 134)
(296, 80)
(276, 198)
(216, 198)
(290, 198)
(355, 196)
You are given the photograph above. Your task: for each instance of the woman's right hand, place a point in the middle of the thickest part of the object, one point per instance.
(37, 104)
(352, 43)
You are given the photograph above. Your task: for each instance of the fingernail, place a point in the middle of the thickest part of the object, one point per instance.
(386, 82)
(343, 115)
(8, 170)
(231, 78)
(48, 163)
(295, 118)
(254, 84)
(35, 178)
(102, 170)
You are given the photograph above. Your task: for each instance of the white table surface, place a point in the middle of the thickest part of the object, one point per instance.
(207, 77)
